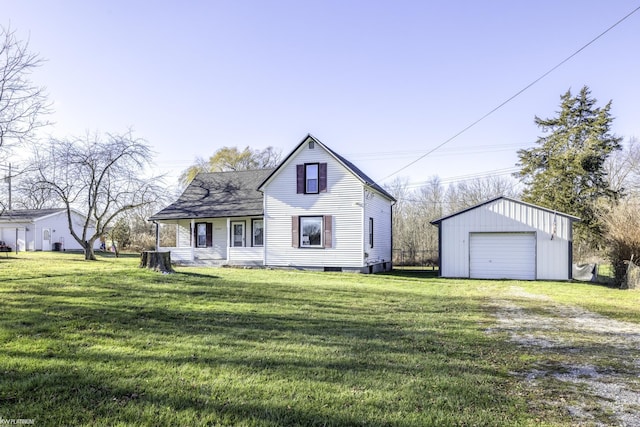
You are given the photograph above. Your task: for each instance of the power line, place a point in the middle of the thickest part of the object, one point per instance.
(515, 95)
(468, 177)
(480, 148)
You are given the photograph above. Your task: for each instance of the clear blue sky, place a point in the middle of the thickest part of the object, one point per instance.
(379, 82)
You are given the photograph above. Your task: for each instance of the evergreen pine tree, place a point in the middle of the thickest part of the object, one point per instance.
(565, 171)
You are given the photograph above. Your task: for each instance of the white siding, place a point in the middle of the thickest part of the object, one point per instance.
(183, 234)
(180, 254)
(343, 200)
(60, 233)
(504, 215)
(246, 256)
(378, 208)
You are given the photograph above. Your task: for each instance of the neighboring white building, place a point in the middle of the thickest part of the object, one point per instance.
(39, 230)
(316, 210)
(505, 238)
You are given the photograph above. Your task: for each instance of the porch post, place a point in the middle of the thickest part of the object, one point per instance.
(192, 238)
(157, 235)
(228, 239)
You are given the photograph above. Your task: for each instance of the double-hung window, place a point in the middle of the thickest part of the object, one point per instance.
(203, 235)
(258, 232)
(311, 178)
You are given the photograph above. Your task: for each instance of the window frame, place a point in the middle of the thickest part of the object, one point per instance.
(307, 178)
(253, 232)
(200, 225)
(320, 220)
(301, 178)
(371, 232)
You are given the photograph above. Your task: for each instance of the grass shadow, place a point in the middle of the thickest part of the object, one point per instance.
(413, 273)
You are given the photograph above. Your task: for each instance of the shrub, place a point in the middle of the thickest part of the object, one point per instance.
(622, 235)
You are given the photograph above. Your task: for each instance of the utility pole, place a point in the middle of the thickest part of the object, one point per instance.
(9, 187)
(7, 179)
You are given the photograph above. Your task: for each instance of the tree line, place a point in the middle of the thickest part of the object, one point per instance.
(415, 240)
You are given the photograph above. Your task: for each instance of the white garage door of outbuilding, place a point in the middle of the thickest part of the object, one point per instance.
(502, 256)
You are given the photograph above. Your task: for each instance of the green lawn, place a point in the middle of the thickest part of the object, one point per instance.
(106, 343)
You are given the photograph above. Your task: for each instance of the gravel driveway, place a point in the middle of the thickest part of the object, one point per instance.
(593, 359)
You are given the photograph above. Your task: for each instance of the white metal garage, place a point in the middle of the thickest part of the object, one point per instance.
(502, 256)
(504, 238)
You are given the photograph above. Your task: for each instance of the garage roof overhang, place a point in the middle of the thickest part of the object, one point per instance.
(439, 220)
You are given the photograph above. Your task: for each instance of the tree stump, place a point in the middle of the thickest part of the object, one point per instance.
(156, 261)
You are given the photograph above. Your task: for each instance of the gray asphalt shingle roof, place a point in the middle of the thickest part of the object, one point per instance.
(218, 195)
(23, 215)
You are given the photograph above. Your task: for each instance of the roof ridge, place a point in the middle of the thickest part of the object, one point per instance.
(240, 171)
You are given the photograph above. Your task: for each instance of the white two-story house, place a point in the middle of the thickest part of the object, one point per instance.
(316, 210)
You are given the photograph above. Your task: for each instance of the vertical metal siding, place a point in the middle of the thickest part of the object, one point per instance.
(507, 216)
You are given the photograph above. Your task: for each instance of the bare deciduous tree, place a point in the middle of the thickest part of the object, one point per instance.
(472, 192)
(98, 176)
(28, 195)
(415, 240)
(623, 168)
(413, 235)
(622, 233)
(22, 104)
(428, 204)
(142, 233)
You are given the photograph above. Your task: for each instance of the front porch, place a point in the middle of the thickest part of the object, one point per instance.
(216, 242)
(247, 256)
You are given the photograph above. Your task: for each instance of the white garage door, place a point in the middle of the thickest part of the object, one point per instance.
(502, 256)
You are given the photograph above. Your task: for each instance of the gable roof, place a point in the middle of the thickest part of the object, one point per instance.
(218, 195)
(28, 215)
(438, 221)
(346, 163)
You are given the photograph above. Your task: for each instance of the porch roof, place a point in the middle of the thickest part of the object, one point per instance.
(218, 195)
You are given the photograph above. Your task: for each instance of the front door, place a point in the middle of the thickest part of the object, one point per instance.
(237, 234)
(46, 239)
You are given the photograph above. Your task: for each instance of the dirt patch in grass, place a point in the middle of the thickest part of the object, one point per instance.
(586, 364)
